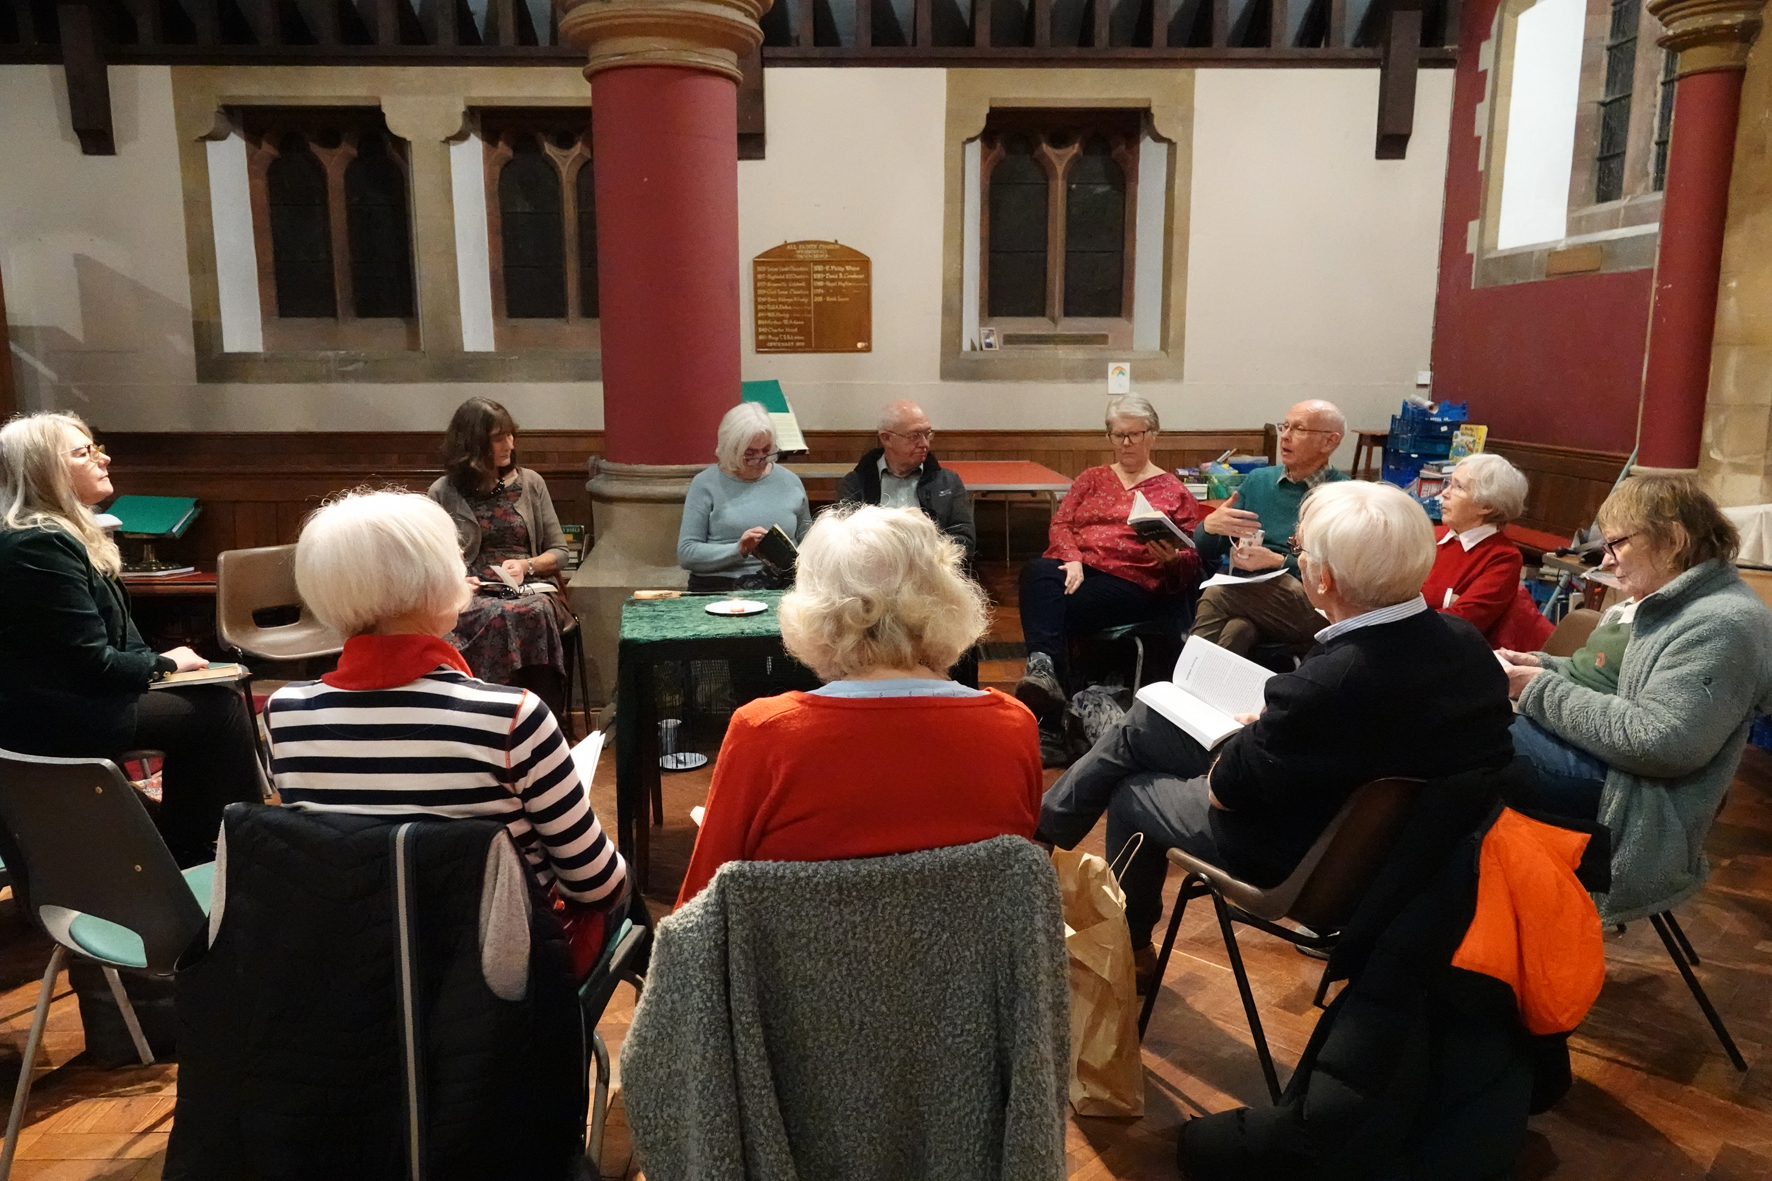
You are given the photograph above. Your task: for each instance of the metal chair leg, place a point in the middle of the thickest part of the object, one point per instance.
(21, 1094)
(1138, 664)
(599, 1103)
(1248, 994)
(1680, 935)
(1698, 994)
(130, 1020)
(1188, 891)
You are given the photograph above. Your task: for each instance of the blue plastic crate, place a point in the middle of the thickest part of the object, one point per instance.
(1401, 470)
(1423, 449)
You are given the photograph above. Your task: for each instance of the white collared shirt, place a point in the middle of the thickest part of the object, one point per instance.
(1388, 614)
(1470, 537)
(898, 491)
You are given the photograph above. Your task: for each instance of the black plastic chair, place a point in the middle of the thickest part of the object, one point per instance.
(1320, 894)
(573, 640)
(622, 959)
(89, 868)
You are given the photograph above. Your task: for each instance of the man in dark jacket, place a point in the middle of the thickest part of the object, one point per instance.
(1391, 689)
(902, 473)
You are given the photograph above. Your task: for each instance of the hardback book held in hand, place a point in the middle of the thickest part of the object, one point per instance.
(214, 674)
(778, 551)
(1211, 686)
(1152, 525)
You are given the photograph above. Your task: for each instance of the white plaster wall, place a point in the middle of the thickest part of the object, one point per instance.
(98, 296)
(1311, 272)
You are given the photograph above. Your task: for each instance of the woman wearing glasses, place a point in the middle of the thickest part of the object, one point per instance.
(732, 504)
(1643, 727)
(1096, 571)
(509, 533)
(74, 672)
(1476, 573)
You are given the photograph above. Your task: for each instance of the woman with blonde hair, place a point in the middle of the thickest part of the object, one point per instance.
(731, 505)
(888, 756)
(74, 671)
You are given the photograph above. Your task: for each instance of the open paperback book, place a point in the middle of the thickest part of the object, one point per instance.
(585, 755)
(539, 586)
(1211, 685)
(1152, 525)
(214, 674)
(778, 551)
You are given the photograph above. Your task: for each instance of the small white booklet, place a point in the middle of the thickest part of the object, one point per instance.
(585, 756)
(1242, 579)
(1211, 685)
(1151, 525)
(539, 586)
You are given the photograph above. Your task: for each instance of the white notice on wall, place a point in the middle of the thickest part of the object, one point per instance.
(1119, 377)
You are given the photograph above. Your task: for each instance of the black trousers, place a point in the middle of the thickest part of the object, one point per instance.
(1149, 777)
(1048, 615)
(210, 762)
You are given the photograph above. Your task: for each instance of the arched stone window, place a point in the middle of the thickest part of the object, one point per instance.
(541, 210)
(301, 231)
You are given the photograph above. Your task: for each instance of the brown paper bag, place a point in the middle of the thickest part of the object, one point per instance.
(1107, 1074)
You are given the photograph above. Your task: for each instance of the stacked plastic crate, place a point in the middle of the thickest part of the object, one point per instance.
(1421, 435)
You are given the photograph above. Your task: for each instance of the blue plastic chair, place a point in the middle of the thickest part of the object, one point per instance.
(89, 868)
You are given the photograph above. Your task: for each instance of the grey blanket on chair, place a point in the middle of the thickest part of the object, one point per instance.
(879, 1019)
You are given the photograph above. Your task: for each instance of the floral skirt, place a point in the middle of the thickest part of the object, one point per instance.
(499, 636)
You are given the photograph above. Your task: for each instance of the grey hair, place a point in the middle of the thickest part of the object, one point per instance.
(894, 412)
(879, 588)
(1374, 537)
(741, 424)
(371, 556)
(1133, 406)
(1496, 486)
(37, 489)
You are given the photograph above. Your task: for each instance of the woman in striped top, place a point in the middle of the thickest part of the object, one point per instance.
(402, 726)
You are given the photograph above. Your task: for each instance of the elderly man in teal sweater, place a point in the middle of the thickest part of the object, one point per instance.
(1271, 604)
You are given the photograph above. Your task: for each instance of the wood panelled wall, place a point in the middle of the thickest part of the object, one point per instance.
(256, 488)
(1565, 485)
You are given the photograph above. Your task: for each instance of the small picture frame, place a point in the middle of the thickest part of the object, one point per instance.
(987, 339)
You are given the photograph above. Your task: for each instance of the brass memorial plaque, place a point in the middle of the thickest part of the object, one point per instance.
(813, 297)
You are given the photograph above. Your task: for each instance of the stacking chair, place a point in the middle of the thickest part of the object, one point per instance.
(1320, 894)
(1154, 632)
(621, 961)
(249, 581)
(572, 638)
(89, 869)
(1572, 632)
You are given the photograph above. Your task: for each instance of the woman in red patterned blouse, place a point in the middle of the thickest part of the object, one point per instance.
(1096, 572)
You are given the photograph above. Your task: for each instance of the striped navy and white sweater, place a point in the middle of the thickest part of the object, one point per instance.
(451, 746)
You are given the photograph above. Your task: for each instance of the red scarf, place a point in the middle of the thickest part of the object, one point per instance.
(383, 662)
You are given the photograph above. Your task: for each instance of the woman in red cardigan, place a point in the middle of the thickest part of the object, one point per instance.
(888, 756)
(1476, 574)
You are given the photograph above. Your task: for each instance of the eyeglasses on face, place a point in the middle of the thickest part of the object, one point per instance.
(1125, 438)
(90, 452)
(923, 436)
(1299, 428)
(760, 456)
(1610, 545)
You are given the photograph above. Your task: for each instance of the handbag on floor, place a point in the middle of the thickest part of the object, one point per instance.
(1107, 1073)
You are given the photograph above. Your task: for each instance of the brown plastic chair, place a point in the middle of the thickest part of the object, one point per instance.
(1572, 632)
(248, 581)
(1320, 894)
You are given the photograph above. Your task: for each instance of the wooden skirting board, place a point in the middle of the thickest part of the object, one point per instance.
(256, 488)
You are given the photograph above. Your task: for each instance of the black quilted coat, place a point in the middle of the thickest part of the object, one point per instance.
(293, 1051)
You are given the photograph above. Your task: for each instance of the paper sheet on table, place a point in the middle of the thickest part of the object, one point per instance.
(585, 756)
(1240, 579)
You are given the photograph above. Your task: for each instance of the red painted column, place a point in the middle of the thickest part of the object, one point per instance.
(665, 149)
(1695, 204)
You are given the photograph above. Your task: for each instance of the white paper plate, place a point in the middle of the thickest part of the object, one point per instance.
(736, 607)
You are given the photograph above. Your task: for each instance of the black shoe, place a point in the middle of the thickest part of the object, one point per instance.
(1055, 749)
(1039, 689)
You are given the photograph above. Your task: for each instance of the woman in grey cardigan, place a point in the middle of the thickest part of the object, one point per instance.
(1644, 726)
(509, 533)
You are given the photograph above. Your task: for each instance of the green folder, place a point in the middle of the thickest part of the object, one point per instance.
(767, 394)
(154, 516)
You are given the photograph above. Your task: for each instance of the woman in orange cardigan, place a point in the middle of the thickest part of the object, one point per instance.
(1476, 572)
(888, 756)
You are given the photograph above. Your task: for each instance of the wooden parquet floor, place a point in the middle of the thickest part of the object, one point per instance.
(1654, 1097)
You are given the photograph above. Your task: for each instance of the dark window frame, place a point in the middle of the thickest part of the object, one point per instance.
(562, 137)
(366, 223)
(1058, 138)
(1615, 102)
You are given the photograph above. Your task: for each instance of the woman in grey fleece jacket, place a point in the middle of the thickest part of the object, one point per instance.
(1697, 663)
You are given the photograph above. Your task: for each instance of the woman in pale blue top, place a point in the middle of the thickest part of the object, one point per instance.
(732, 505)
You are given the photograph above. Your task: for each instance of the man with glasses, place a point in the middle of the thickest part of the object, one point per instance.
(1271, 606)
(902, 473)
